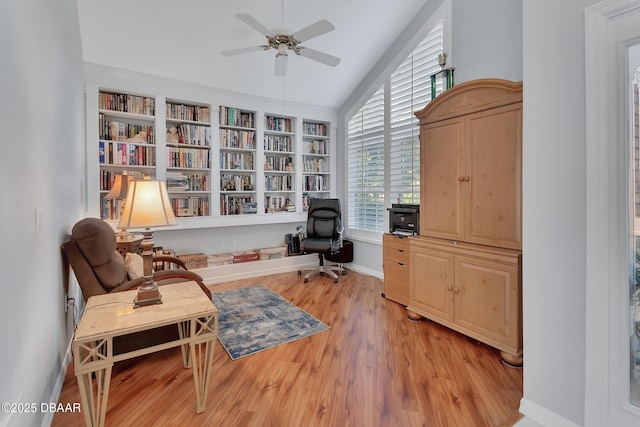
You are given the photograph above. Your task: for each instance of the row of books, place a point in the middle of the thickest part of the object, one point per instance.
(121, 131)
(315, 147)
(195, 113)
(230, 116)
(127, 103)
(315, 183)
(318, 129)
(278, 183)
(110, 209)
(181, 157)
(278, 124)
(315, 165)
(230, 138)
(278, 204)
(240, 161)
(189, 134)
(278, 163)
(124, 153)
(237, 205)
(190, 206)
(108, 177)
(278, 143)
(180, 181)
(236, 182)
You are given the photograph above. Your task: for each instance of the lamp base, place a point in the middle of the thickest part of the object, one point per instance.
(147, 297)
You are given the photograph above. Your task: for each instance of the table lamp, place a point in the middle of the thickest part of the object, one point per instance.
(147, 206)
(119, 192)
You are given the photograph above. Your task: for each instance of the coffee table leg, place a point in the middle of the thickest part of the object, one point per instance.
(202, 358)
(94, 393)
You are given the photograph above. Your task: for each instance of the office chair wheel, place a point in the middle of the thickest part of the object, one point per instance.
(299, 273)
(343, 272)
(335, 280)
(306, 280)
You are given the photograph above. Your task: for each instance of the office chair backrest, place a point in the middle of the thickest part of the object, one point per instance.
(324, 218)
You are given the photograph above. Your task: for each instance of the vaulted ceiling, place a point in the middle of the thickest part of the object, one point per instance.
(183, 40)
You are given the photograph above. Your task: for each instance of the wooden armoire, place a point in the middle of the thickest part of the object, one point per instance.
(466, 264)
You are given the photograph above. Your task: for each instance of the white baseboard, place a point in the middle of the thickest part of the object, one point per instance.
(57, 388)
(539, 416)
(366, 271)
(246, 270)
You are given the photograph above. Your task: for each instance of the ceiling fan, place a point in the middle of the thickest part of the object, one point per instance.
(284, 42)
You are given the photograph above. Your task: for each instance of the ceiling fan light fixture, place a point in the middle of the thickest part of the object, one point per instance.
(283, 41)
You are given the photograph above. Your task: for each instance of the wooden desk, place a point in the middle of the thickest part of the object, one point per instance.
(113, 315)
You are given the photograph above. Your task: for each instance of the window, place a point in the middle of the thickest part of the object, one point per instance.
(386, 123)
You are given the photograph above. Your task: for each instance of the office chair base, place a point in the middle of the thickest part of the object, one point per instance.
(323, 269)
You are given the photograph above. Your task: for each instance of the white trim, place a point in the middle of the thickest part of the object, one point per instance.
(541, 415)
(246, 270)
(57, 388)
(605, 219)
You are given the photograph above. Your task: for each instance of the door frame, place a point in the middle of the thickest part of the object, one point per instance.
(607, 305)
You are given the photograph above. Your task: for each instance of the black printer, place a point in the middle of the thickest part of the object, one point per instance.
(404, 219)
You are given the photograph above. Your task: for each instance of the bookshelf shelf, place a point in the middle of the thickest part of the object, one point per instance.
(188, 157)
(316, 159)
(279, 149)
(237, 161)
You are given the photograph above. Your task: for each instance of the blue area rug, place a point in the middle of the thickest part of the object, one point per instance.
(255, 318)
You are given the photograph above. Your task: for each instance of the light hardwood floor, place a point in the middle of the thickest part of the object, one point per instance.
(374, 367)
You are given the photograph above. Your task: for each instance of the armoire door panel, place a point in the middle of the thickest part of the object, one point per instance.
(494, 166)
(487, 298)
(432, 276)
(441, 169)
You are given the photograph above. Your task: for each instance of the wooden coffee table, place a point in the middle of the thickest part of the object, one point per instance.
(108, 316)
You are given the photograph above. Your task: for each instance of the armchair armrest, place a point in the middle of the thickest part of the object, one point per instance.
(170, 258)
(168, 276)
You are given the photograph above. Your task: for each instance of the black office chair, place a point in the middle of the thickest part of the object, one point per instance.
(323, 235)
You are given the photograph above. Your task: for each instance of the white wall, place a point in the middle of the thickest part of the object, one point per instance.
(41, 170)
(554, 216)
(487, 39)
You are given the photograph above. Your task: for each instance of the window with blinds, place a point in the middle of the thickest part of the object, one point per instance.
(366, 165)
(391, 123)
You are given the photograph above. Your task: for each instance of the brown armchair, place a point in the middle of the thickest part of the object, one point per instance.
(100, 269)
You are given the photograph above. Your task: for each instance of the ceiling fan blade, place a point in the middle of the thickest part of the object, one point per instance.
(316, 55)
(233, 52)
(251, 21)
(281, 64)
(313, 30)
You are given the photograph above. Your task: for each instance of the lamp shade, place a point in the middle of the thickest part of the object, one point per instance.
(119, 188)
(147, 205)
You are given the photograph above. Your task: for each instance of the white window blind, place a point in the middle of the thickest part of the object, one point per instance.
(409, 89)
(366, 165)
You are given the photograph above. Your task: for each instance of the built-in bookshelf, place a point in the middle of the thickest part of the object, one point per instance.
(237, 159)
(248, 161)
(316, 170)
(188, 167)
(126, 142)
(279, 164)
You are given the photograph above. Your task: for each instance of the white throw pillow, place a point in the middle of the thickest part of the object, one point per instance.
(134, 265)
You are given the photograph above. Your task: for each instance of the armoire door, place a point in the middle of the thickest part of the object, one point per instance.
(494, 170)
(442, 204)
